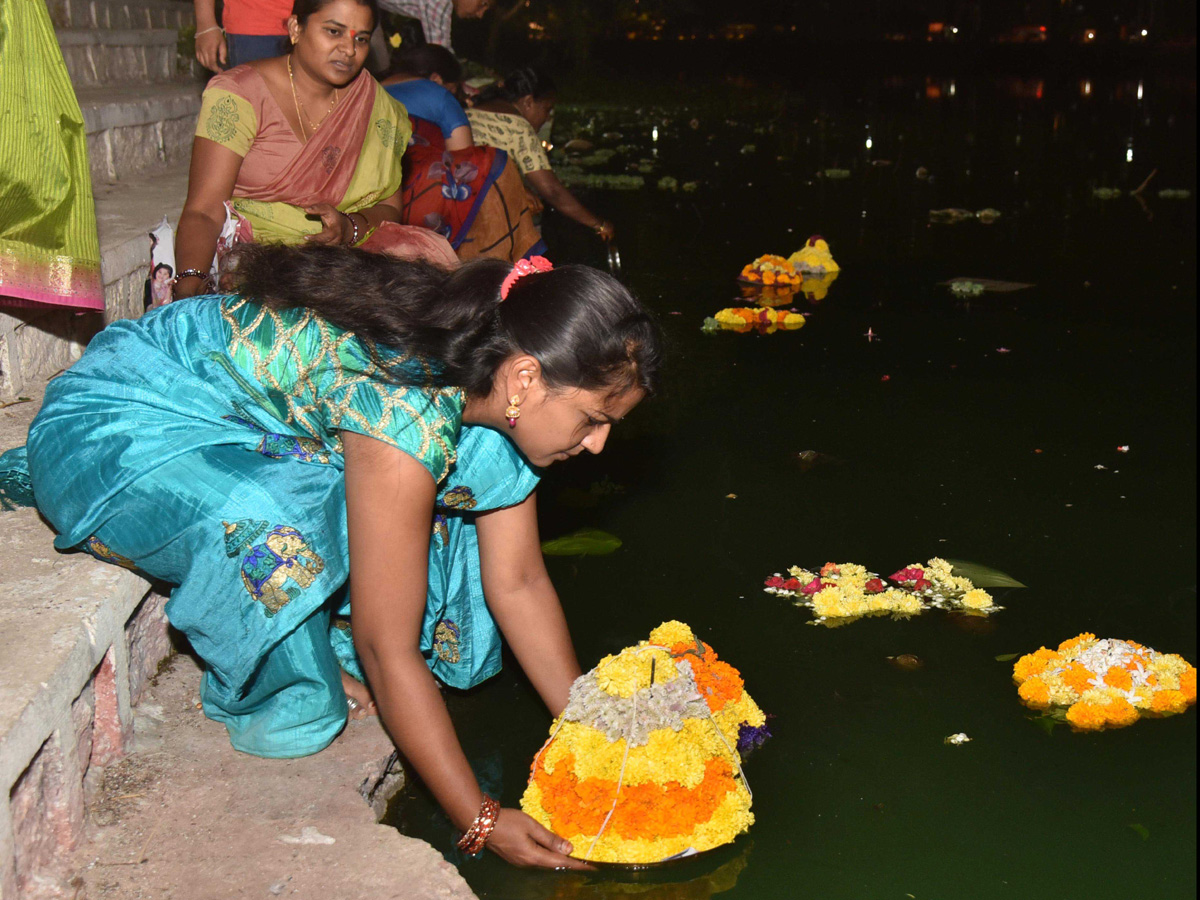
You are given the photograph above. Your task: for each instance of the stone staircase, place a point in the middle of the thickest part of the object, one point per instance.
(139, 98)
(79, 639)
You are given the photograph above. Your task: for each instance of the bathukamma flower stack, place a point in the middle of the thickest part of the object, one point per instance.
(643, 763)
(1105, 683)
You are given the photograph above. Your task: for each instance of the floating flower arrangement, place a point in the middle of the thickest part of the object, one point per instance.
(814, 258)
(770, 269)
(643, 764)
(1104, 683)
(841, 593)
(764, 320)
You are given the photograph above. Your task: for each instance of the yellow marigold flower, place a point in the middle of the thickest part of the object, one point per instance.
(1047, 655)
(623, 673)
(1034, 693)
(1086, 717)
(977, 599)
(910, 605)
(670, 633)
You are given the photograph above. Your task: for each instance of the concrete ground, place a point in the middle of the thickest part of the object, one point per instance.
(186, 817)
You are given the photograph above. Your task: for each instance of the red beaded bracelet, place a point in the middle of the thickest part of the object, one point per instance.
(481, 829)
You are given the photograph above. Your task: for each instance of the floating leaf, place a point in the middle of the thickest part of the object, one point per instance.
(1007, 657)
(1141, 829)
(585, 542)
(1049, 720)
(983, 576)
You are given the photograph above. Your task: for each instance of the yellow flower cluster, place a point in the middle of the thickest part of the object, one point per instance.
(814, 257)
(844, 592)
(768, 321)
(620, 674)
(1105, 683)
(647, 795)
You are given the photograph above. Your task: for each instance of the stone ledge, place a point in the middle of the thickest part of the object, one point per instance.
(112, 37)
(120, 106)
(127, 211)
(120, 14)
(210, 822)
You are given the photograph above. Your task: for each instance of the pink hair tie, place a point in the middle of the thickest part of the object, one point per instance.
(521, 269)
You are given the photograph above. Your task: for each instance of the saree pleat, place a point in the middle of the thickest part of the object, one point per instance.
(49, 249)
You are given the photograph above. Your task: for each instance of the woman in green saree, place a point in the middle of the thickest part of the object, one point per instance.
(301, 148)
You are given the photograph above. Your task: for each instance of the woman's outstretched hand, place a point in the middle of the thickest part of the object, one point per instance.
(519, 840)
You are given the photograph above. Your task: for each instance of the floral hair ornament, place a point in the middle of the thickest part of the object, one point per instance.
(521, 269)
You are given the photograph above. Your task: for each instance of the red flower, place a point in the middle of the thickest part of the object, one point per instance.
(874, 586)
(920, 584)
(830, 569)
(774, 581)
(812, 587)
(792, 584)
(912, 573)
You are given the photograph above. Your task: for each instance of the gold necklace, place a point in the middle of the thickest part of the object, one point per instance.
(300, 114)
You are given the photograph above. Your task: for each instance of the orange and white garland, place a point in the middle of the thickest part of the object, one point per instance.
(1105, 683)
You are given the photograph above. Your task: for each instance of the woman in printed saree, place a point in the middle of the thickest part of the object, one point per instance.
(49, 249)
(300, 148)
(509, 117)
(473, 196)
(309, 455)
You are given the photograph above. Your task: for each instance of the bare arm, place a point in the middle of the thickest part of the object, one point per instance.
(389, 505)
(523, 600)
(555, 194)
(210, 41)
(211, 179)
(460, 138)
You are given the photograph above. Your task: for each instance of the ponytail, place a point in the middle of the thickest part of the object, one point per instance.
(583, 326)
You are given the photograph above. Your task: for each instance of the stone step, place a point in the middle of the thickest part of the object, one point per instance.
(126, 213)
(134, 129)
(173, 14)
(103, 56)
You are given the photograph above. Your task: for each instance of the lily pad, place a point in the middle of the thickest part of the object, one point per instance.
(584, 542)
(983, 576)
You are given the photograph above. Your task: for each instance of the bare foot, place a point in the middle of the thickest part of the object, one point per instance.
(359, 698)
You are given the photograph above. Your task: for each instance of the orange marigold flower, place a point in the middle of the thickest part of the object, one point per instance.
(1119, 713)
(1086, 716)
(1078, 677)
(1071, 643)
(1116, 677)
(1047, 655)
(1169, 702)
(1187, 684)
(1034, 693)
(1028, 666)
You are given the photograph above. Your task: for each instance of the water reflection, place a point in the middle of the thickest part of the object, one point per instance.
(697, 879)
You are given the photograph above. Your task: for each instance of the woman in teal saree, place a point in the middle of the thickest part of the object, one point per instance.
(303, 456)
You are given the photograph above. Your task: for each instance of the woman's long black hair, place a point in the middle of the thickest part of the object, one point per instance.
(524, 82)
(583, 326)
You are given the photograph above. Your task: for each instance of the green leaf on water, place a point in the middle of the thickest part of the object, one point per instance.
(983, 576)
(584, 542)
(1007, 657)
(1049, 720)
(1141, 829)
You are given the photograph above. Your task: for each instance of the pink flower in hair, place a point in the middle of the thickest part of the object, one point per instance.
(521, 269)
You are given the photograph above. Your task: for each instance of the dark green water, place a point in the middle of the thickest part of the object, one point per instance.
(857, 796)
